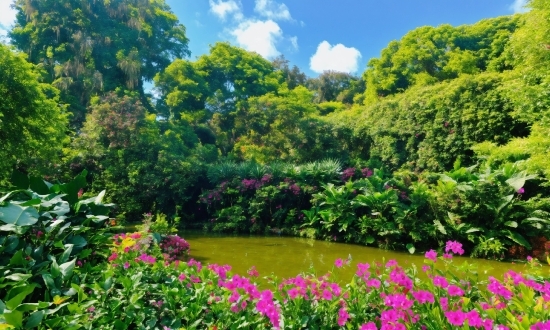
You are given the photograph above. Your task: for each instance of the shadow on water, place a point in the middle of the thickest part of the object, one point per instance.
(289, 256)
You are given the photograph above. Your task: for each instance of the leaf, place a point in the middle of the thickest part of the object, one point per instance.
(19, 180)
(99, 197)
(38, 185)
(67, 253)
(516, 237)
(440, 227)
(512, 224)
(17, 215)
(18, 277)
(411, 248)
(14, 318)
(518, 181)
(34, 319)
(473, 230)
(78, 241)
(369, 239)
(67, 269)
(13, 228)
(18, 294)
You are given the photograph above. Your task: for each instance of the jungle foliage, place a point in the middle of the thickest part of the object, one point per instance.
(475, 95)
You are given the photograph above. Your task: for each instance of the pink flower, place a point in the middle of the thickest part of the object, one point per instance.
(521, 190)
(253, 272)
(391, 263)
(39, 234)
(432, 255)
(368, 326)
(181, 277)
(423, 296)
(126, 265)
(425, 268)
(454, 246)
(343, 316)
(327, 295)
(113, 256)
(454, 290)
(440, 281)
(455, 317)
(339, 263)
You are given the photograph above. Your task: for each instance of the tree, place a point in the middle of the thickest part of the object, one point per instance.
(331, 85)
(32, 124)
(428, 55)
(145, 164)
(92, 47)
(293, 77)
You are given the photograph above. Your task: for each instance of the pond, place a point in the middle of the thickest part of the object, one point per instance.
(289, 256)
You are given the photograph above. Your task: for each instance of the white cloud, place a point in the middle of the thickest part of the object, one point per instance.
(334, 58)
(272, 10)
(223, 8)
(519, 6)
(294, 42)
(258, 36)
(7, 16)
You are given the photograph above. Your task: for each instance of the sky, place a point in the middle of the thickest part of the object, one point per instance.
(315, 35)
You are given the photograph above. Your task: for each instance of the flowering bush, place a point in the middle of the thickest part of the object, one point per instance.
(170, 295)
(174, 247)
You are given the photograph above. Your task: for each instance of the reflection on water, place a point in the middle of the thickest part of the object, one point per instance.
(289, 256)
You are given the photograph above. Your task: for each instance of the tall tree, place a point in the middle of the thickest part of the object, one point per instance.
(32, 124)
(428, 55)
(330, 84)
(91, 47)
(292, 76)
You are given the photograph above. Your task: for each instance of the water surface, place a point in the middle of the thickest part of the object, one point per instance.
(289, 256)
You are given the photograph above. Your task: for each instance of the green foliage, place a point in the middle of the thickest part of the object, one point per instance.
(32, 124)
(89, 48)
(428, 55)
(430, 127)
(146, 164)
(50, 242)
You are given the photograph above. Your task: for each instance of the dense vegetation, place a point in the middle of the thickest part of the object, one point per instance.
(443, 138)
(474, 95)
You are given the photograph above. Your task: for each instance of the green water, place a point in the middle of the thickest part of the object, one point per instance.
(289, 256)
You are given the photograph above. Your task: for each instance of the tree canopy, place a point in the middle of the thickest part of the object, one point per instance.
(32, 124)
(91, 47)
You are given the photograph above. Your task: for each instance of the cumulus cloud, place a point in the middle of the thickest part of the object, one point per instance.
(334, 58)
(272, 10)
(258, 36)
(7, 16)
(519, 6)
(222, 9)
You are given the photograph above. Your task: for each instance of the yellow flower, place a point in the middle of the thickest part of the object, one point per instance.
(127, 242)
(58, 300)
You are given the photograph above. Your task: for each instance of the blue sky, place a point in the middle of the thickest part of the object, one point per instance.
(315, 35)
(319, 35)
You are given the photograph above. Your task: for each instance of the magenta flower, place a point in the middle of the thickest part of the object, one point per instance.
(339, 263)
(126, 265)
(327, 295)
(432, 255)
(113, 256)
(440, 281)
(343, 316)
(454, 290)
(521, 190)
(455, 317)
(368, 326)
(454, 246)
(181, 277)
(391, 263)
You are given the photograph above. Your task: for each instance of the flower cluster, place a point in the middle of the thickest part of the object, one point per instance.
(174, 247)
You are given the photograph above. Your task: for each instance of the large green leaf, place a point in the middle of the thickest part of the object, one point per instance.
(518, 180)
(67, 269)
(19, 215)
(39, 186)
(34, 319)
(411, 248)
(19, 180)
(516, 237)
